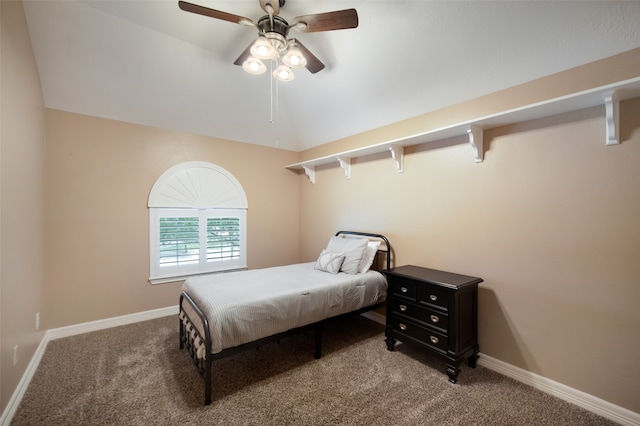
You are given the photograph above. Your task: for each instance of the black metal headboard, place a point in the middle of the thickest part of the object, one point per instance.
(387, 249)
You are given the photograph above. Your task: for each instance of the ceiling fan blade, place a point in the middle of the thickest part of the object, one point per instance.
(244, 55)
(313, 64)
(212, 13)
(338, 20)
(274, 4)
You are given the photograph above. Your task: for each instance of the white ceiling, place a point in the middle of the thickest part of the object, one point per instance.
(148, 62)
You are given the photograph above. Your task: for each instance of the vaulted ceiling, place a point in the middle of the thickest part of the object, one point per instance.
(148, 62)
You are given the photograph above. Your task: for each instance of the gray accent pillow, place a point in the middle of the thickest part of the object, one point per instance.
(329, 262)
(352, 248)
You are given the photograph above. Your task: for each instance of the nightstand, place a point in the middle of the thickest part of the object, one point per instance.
(436, 310)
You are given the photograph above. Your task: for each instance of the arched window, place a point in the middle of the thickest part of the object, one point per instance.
(197, 222)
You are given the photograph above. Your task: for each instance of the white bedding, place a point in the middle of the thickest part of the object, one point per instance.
(248, 305)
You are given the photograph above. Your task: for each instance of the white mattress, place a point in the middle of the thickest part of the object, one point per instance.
(248, 305)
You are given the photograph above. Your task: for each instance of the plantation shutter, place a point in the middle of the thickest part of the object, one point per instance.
(179, 241)
(223, 238)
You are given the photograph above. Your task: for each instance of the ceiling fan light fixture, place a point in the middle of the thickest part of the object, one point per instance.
(294, 58)
(254, 65)
(263, 49)
(283, 73)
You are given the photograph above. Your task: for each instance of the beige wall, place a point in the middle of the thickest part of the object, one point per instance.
(99, 174)
(21, 225)
(549, 220)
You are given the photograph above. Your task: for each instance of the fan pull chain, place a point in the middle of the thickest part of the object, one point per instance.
(274, 97)
(275, 105)
(277, 100)
(277, 113)
(271, 90)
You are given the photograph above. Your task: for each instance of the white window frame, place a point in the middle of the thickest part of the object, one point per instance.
(202, 190)
(162, 273)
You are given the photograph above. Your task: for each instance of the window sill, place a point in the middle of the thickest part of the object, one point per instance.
(164, 280)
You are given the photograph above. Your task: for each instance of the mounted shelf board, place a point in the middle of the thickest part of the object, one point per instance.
(609, 96)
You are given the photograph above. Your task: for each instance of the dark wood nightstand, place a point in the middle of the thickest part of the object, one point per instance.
(437, 310)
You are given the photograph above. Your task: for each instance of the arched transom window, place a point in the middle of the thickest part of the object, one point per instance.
(197, 222)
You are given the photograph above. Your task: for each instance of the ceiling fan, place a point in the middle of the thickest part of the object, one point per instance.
(273, 41)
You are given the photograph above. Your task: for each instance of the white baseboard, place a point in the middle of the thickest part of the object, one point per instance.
(375, 316)
(573, 396)
(588, 402)
(72, 330)
(18, 393)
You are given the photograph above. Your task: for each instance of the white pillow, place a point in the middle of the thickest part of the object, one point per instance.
(329, 262)
(368, 256)
(353, 249)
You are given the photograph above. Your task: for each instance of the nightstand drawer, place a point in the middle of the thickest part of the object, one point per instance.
(422, 334)
(433, 296)
(404, 288)
(418, 313)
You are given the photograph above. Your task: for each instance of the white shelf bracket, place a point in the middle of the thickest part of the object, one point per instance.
(345, 163)
(311, 173)
(476, 136)
(397, 153)
(612, 104)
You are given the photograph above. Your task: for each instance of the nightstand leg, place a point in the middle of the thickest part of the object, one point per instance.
(472, 361)
(452, 372)
(391, 343)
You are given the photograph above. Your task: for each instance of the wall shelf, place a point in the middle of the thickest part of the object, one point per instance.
(609, 96)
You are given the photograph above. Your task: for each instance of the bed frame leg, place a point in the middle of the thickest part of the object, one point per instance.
(207, 381)
(181, 334)
(318, 353)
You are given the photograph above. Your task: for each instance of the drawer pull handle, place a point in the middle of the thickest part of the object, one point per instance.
(434, 318)
(403, 308)
(403, 327)
(433, 297)
(403, 289)
(434, 339)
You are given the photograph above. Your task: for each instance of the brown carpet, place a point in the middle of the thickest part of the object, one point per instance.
(136, 375)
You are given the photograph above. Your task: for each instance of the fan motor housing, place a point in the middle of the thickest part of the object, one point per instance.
(275, 30)
(279, 25)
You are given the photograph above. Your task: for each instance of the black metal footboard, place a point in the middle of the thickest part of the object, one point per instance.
(189, 335)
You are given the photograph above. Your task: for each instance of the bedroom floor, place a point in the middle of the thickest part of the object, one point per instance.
(137, 375)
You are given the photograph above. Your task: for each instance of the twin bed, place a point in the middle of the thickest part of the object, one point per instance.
(222, 314)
